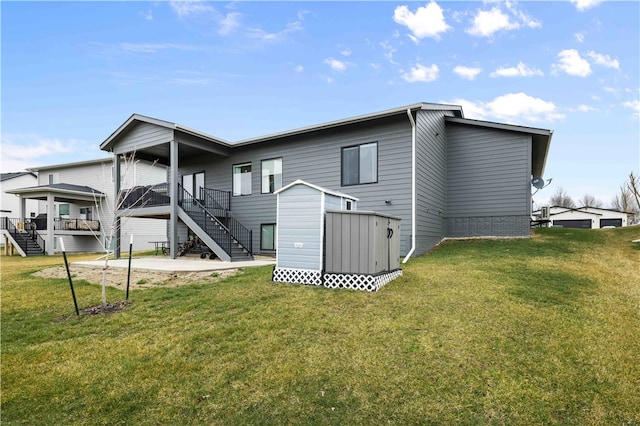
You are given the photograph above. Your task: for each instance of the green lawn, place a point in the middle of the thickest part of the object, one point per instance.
(528, 331)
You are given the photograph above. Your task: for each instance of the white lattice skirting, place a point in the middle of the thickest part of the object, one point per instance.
(302, 276)
(335, 280)
(360, 281)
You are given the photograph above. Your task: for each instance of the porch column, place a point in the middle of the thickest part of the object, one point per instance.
(51, 234)
(22, 207)
(173, 188)
(116, 220)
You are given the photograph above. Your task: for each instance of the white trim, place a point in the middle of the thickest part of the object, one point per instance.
(319, 188)
(413, 186)
(277, 231)
(322, 216)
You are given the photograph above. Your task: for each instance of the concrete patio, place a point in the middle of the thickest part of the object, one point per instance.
(165, 264)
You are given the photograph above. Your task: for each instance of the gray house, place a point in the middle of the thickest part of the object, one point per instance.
(443, 175)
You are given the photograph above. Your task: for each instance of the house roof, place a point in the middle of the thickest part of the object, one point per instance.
(8, 176)
(584, 209)
(541, 139)
(62, 192)
(134, 119)
(457, 110)
(73, 164)
(316, 187)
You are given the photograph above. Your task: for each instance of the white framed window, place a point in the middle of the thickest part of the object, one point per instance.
(63, 211)
(242, 179)
(360, 164)
(271, 175)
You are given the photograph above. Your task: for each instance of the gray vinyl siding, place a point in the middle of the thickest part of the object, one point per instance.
(431, 179)
(316, 158)
(143, 135)
(301, 216)
(488, 182)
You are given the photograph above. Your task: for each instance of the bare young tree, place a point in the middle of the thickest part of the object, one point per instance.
(562, 199)
(127, 196)
(589, 200)
(622, 201)
(633, 184)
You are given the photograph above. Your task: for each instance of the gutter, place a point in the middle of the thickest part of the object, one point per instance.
(413, 186)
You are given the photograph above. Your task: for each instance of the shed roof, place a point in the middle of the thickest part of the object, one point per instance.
(316, 187)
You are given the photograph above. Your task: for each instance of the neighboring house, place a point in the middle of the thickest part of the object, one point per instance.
(76, 201)
(443, 175)
(10, 202)
(586, 217)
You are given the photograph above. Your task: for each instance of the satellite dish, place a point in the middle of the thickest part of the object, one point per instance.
(537, 182)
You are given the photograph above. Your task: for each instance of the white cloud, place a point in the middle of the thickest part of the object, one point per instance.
(585, 108)
(635, 106)
(346, 52)
(152, 47)
(571, 63)
(427, 21)
(467, 72)
(336, 65)
(583, 5)
(388, 51)
(421, 73)
(184, 8)
(511, 108)
(260, 34)
(580, 36)
(488, 22)
(298, 68)
(520, 70)
(604, 60)
(147, 15)
(229, 23)
(20, 152)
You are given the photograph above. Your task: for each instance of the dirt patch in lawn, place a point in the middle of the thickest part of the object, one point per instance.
(140, 279)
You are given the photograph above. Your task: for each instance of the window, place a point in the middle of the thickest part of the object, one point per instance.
(271, 175)
(268, 236)
(360, 164)
(242, 179)
(63, 211)
(193, 184)
(85, 213)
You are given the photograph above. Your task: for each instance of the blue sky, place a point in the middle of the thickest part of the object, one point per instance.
(72, 72)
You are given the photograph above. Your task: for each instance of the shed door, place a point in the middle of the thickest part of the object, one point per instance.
(573, 223)
(610, 222)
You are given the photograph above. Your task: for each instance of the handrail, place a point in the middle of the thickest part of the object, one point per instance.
(215, 199)
(60, 224)
(18, 228)
(217, 230)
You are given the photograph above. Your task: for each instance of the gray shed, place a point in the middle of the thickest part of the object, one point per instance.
(301, 209)
(322, 239)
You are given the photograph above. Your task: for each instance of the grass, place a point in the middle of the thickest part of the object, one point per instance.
(529, 331)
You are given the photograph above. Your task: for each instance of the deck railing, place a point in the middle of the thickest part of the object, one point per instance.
(144, 196)
(60, 224)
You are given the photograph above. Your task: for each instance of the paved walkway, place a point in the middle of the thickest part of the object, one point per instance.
(164, 264)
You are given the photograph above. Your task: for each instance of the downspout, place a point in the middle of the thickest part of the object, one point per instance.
(413, 186)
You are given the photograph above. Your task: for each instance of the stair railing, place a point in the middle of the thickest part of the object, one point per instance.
(220, 232)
